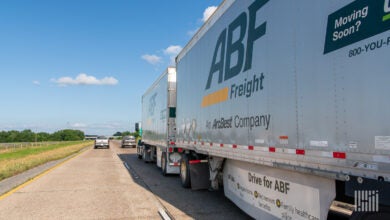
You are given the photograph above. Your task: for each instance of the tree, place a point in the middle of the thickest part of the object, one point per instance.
(12, 136)
(3, 136)
(25, 136)
(126, 133)
(43, 136)
(117, 134)
(29, 136)
(67, 135)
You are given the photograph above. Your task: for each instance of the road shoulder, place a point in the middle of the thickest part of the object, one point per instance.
(10, 183)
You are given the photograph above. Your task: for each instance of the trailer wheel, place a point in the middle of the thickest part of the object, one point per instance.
(144, 155)
(185, 172)
(164, 163)
(139, 152)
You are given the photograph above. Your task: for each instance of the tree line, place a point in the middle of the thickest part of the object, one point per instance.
(30, 136)
(126, 133)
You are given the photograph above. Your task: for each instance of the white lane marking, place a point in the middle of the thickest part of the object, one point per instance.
(163, 214)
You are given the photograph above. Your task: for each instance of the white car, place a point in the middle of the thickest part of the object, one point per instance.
(102, 141)
(128, 141)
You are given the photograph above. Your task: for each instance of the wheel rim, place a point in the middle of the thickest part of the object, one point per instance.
(183, 170)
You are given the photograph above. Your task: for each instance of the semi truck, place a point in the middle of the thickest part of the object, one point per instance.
(159, 125)
(284, 105)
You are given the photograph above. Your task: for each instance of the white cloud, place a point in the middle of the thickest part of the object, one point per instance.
(172, 52)
(206, 15)
(36, 82)
(79, 125)
(208, 12)
(84, 79)
(152, 59)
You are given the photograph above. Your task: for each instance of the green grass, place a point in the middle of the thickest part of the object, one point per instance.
(22, 152)
(15, 161)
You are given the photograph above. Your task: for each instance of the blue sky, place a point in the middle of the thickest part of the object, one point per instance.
(84, 64)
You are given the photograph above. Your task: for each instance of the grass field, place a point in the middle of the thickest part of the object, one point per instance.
(14, 161)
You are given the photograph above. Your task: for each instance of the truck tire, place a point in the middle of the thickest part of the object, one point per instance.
(144, 155)
(139, 153)
(164, 163)
(185, 172)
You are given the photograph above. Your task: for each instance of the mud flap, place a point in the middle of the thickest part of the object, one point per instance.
(200, 176)
(147, 153)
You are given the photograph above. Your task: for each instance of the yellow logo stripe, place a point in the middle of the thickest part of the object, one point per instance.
(215, 97)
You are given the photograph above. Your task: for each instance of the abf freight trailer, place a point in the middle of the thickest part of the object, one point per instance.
(158, 124)
(286, 103)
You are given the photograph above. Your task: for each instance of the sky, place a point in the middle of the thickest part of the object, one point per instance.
(84, 64)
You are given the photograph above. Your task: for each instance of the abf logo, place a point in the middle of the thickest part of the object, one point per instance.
(386, 8)
(226, 48)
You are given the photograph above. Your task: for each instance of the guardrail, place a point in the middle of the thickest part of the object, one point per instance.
(30, 144)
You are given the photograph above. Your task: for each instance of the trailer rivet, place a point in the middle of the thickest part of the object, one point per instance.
(360, 180)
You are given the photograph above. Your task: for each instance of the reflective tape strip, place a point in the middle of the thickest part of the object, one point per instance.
(198, 161)
(339, 155)
(272, 149)
(265, 149)
(326, 154)
(174, 164)
(285, 150)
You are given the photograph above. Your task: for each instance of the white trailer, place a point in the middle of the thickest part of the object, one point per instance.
(158, 124)
(286, 104)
